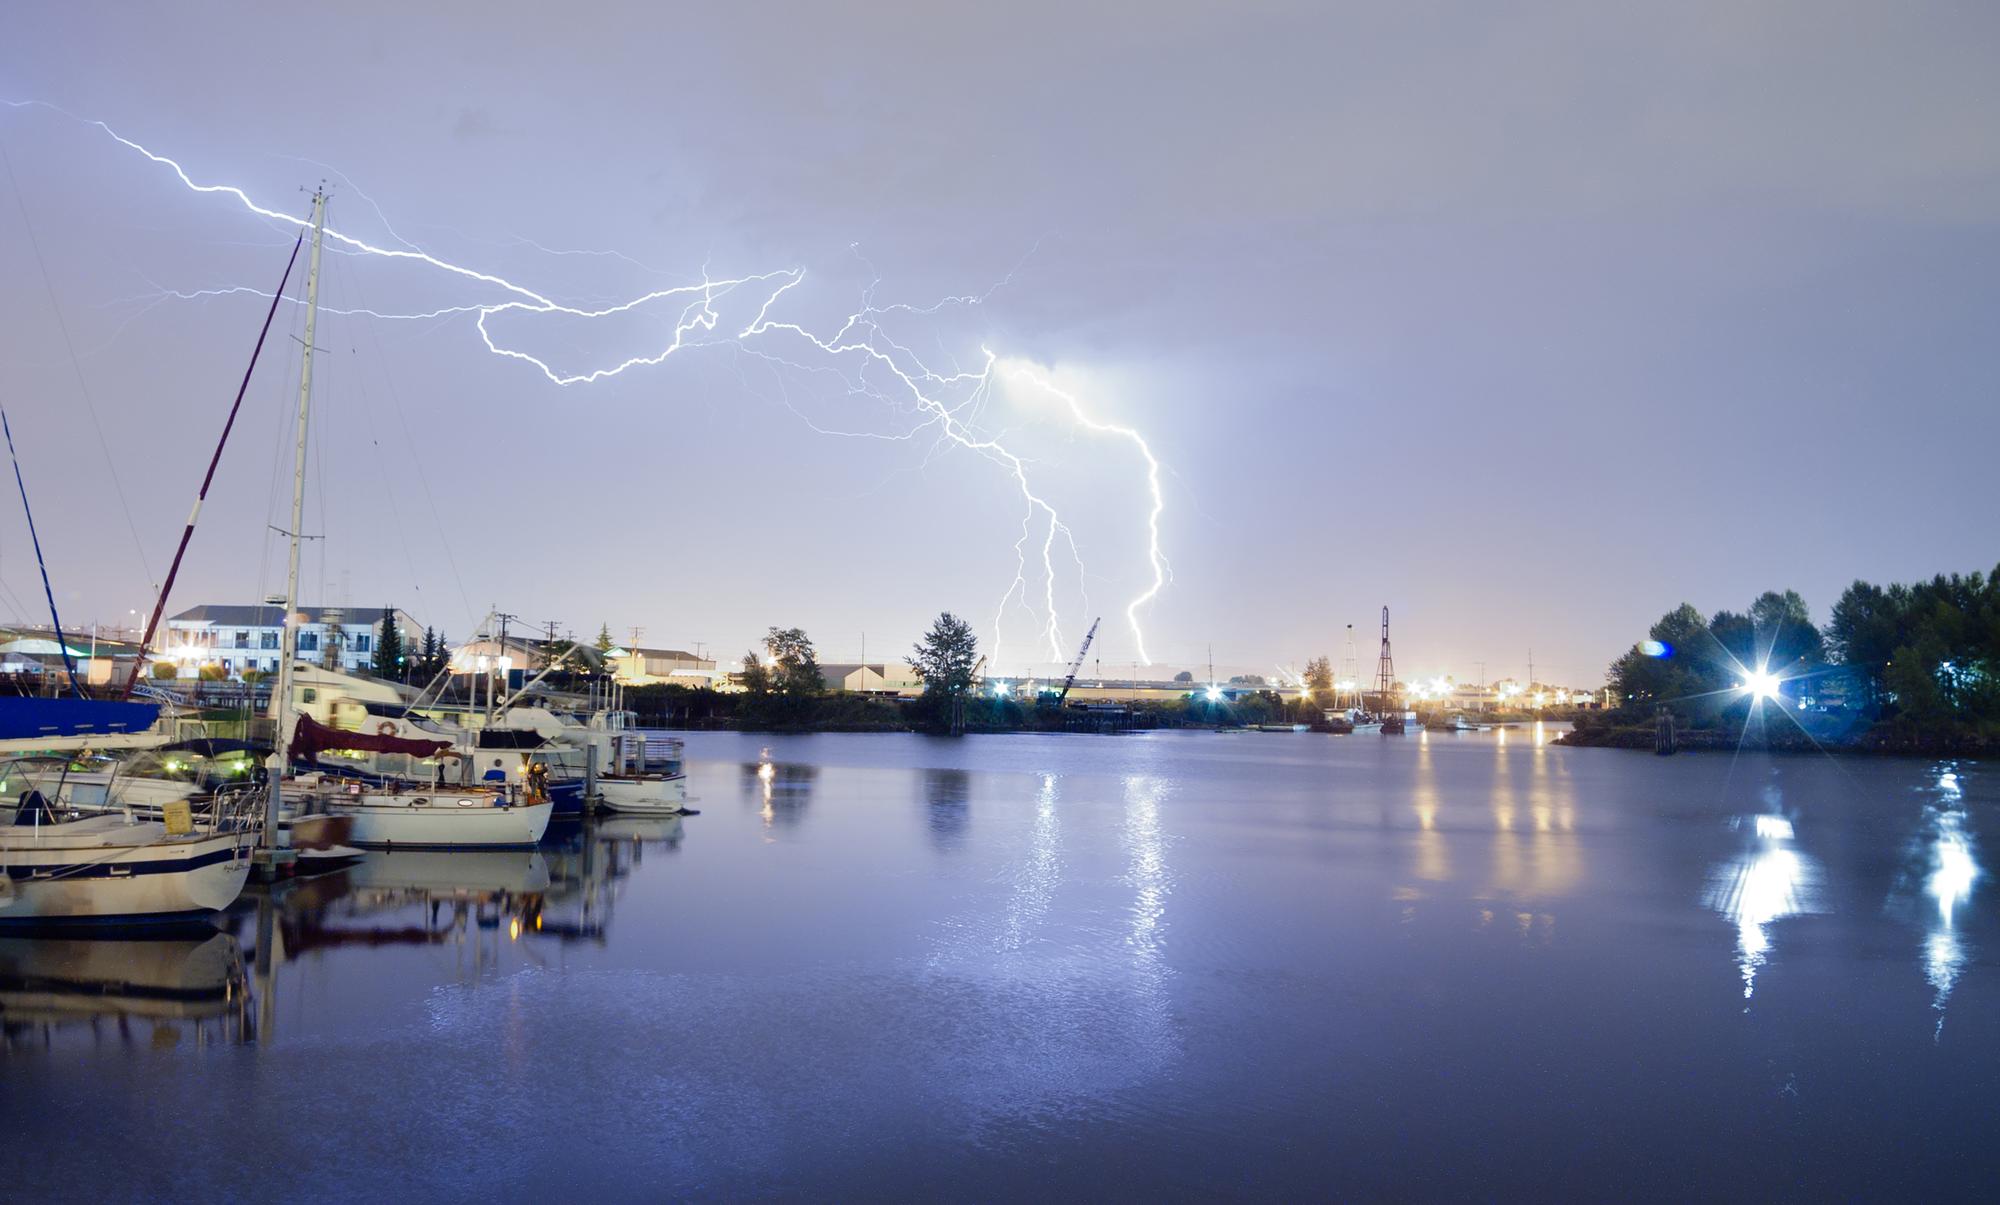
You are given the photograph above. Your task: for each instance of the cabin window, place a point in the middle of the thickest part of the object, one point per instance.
(308, 695)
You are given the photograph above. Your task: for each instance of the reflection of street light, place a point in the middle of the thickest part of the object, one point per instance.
(1214, 693)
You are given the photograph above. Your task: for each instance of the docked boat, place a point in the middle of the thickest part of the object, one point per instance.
(431, 817)
(637, 774)
(115, 870)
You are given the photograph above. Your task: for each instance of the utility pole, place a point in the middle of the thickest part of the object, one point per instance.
(498, 663)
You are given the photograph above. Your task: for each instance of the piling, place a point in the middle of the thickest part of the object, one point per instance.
(1666, 740)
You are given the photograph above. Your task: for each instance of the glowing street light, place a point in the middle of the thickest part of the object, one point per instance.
(1760, 684)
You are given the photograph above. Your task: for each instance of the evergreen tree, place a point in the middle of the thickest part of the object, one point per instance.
(389, 647)
(604, 642)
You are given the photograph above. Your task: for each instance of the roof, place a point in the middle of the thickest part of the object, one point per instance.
(655, 654)
(271, 617)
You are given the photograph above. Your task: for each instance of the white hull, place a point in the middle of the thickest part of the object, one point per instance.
(644, 795)
(103, 870)
(389, 820)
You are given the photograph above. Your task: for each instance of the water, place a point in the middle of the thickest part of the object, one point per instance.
(1179, 964)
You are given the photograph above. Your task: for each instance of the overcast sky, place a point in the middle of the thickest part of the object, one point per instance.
(1527, 320)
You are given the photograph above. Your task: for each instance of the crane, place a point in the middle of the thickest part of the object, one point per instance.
(1077, 664)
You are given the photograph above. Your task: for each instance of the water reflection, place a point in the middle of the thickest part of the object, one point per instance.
(781, 790)
(1768, 881)
(1036, 878)
(134, 992)
(1145, 843)
(1951, 868)
(947, 796)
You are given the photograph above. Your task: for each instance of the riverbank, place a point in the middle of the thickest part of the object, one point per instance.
(1618, 732)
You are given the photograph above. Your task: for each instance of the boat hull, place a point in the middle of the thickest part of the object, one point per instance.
(649, 795)
(160, 882)
(384, 821)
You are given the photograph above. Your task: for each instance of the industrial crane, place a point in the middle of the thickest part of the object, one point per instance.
(1077, 664)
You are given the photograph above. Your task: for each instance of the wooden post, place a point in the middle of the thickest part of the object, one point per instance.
(1665, 738)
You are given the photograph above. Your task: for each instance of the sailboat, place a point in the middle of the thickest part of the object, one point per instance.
(391, 814)
(58, 870)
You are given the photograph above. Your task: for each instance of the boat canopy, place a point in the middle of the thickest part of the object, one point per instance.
(312, 738)
(29, 718)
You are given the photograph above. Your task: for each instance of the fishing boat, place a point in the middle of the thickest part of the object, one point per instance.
(637, 774)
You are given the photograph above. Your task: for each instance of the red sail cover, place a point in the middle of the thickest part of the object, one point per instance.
(313, 738)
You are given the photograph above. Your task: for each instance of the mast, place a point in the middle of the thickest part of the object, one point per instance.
(289, 643)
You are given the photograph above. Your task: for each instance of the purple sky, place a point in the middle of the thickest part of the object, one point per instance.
(1529, 321)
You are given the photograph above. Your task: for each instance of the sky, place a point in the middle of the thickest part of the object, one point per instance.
(1528, 321)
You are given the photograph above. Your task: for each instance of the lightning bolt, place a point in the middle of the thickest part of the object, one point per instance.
(859, 351)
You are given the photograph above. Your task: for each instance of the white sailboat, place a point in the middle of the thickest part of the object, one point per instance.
(114, 869)
(437, 817)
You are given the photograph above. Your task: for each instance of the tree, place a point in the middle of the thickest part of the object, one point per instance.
(1248, 680)
(1786, 636)
(756, 679)
(604, 642)
(794, 667)
(1319, 675)
(389, 659)
(944, 659)
(1184, 676)
(429, 654)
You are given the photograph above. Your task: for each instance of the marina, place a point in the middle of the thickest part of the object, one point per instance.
(1162, 965)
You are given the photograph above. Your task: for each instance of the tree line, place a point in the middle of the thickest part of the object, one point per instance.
(1911, 662)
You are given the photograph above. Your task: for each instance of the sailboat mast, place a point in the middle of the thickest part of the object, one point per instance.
(288, 654)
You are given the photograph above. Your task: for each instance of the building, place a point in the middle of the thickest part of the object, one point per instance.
(651, 667)
(244, 638)
(889, 679)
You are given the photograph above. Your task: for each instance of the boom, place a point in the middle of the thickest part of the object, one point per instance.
(1077, 664)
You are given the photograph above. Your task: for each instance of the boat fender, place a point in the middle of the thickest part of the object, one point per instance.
(386, 728)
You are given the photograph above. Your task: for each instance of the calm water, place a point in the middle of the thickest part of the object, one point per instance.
(1167, 965)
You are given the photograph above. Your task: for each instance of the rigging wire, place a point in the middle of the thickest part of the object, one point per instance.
(76, 366)
(62, 641)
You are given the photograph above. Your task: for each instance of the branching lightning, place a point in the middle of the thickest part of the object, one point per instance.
(946, 405)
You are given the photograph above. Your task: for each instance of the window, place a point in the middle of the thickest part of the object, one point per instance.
(268, 640)
(242, 640)
(308, 695)
(309, 642)
(361, 644)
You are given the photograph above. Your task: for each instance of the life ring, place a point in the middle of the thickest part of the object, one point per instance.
(386, 728)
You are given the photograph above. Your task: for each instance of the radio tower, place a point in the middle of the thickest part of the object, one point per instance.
(1385, 684)
(1385, 666)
